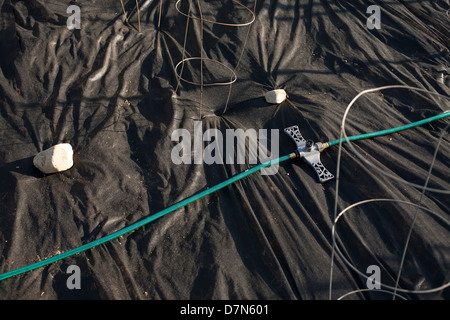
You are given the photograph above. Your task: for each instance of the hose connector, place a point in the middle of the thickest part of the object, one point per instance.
(310, 152)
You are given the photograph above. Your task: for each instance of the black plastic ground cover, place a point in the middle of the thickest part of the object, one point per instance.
(112, 92)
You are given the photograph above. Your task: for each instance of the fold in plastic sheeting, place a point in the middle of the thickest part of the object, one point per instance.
(115, 95)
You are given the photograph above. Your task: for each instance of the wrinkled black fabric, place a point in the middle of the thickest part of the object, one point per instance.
(110, 91)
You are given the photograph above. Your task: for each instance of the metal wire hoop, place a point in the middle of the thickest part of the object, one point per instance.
(344, 136)
(219, 22)
(233, 77)
(371, 290)
(350, 265)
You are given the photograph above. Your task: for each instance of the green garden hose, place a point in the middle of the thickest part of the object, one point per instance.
(200, 195)
(145, 221)
(392, 130)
